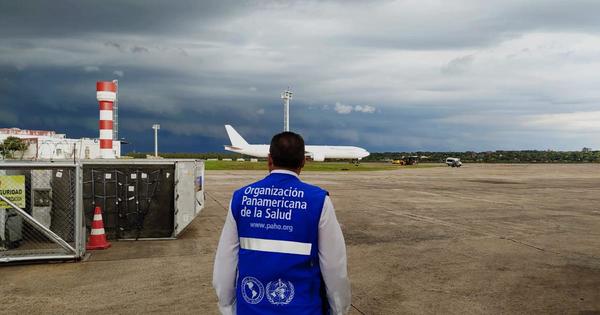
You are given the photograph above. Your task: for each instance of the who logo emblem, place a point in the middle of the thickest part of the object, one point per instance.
(280, 292)
(253, 290)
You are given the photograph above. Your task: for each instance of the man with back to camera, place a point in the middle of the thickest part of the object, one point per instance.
(281, 249)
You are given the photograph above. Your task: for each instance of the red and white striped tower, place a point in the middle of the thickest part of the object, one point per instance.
(106, 93)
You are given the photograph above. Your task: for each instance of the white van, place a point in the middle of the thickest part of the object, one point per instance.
(453, 162)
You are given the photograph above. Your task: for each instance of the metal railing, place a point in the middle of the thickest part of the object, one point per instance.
(40, 211)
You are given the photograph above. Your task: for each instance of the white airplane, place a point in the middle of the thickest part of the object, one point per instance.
(316, 152)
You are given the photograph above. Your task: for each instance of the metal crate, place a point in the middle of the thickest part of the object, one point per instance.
(39, 216)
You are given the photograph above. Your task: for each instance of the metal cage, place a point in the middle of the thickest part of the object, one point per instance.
(40, 211)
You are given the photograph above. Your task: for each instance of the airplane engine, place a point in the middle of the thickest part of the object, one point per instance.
(318, 157)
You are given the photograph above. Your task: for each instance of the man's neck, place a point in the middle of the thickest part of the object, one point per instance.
(286, 170)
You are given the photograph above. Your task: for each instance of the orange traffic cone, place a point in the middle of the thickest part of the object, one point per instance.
(97, 238)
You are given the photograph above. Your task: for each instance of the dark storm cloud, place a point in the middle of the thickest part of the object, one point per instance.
(34, 103)
(65, 18)
(452, 25)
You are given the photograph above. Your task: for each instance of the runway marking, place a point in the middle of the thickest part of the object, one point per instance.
(534, 247)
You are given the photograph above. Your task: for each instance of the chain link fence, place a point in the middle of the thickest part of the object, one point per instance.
(38, 212)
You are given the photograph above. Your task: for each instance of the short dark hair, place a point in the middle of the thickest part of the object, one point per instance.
(287, 150)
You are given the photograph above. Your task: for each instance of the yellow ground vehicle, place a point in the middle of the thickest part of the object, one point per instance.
(407, 160)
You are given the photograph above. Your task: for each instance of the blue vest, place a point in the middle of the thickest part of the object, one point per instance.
(278, 270)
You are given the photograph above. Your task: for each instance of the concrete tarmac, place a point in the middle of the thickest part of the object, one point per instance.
(481, 239)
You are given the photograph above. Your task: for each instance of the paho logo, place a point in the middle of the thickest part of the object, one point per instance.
(253, 290)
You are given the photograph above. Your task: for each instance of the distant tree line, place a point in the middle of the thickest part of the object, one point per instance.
(183, 155)
(527, 156)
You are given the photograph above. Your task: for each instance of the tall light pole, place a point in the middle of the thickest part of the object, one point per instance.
(286, 96)
(156, 127)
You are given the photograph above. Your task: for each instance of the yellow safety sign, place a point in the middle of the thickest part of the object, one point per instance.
(13, 188)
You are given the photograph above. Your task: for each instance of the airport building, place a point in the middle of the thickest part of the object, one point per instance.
(49, 145)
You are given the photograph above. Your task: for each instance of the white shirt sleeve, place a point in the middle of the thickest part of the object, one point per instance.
(226, 264)
(332, 259)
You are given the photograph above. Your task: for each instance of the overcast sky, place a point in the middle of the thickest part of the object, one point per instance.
(385, 75)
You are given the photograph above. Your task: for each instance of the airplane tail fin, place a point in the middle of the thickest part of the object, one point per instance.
(235, 138)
